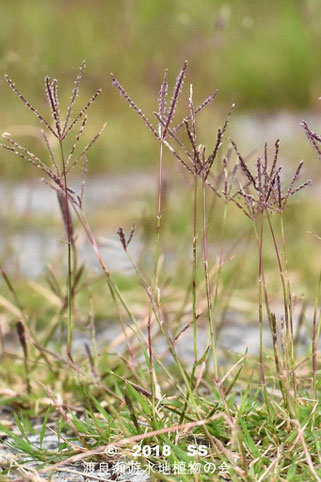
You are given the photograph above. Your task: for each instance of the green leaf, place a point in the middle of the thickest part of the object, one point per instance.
(20, 426)
(143, 401)
(101, 409)
(249, 442)
(44, 426)
(178, 451)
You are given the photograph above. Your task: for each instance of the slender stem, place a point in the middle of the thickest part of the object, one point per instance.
(165, 333)
(159, 215)
(156, 267)
(171, 347)
(194, 270)
(287, 313)
(261, 283)
(283, 387)
(287, 275)
(289, 304)
(113, 288)
(69, 243)
(219, 269)
(152, 375)
(207, 281)
(261, 298)
(316, 328)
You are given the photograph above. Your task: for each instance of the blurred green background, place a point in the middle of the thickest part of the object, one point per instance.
(265, 56)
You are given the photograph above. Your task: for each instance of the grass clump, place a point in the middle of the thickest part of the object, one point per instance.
(136, 399)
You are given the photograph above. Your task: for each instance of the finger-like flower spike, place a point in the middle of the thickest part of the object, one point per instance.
(56, 173)
(264, 191)
(190, 156)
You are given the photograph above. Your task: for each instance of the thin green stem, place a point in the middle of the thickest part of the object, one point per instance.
(156, 273)
(69, 243)
(289, 305)
(261, 298)
(288, 322)
(159, 215)
(194, 269)
(165, 333)
(217, 282)
(316, 328)
(260, 283)
(207, 282)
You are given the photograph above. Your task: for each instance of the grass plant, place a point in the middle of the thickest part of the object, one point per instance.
(257, 417)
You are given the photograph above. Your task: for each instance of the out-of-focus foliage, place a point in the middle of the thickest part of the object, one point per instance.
(263, 55)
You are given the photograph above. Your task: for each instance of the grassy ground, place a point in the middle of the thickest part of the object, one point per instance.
(220, 238)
